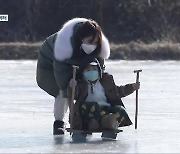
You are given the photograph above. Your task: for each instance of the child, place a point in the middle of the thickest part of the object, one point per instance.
(98, 100)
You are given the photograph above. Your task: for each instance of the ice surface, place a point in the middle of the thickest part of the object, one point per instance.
(26, 112)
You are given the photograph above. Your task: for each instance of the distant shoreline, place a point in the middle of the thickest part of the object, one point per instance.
(130, 51)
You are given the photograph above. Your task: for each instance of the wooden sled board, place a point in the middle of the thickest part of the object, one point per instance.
(89, 131)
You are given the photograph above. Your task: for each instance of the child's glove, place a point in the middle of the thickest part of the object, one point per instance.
(72, 83)
(136, 86)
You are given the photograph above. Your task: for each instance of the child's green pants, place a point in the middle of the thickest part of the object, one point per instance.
(90, 110)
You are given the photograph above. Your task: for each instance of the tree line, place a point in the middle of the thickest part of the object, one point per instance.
(122, 21)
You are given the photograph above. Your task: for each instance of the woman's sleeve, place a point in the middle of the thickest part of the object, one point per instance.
(62, 73)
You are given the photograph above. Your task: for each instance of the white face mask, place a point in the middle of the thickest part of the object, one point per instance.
(88, 48)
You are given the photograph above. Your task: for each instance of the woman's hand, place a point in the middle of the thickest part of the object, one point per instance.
(72, 83)
(136, 86)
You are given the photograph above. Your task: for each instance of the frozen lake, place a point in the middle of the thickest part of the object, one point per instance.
(26, 112)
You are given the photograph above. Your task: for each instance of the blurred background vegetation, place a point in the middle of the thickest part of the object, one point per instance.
(122, 21)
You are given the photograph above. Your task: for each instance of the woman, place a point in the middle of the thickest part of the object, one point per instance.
(78, 42)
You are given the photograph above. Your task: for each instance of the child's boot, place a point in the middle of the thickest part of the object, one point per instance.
(109, 121)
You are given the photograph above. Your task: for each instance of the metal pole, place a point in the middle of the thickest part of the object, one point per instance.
(136, 112)
(71, 106)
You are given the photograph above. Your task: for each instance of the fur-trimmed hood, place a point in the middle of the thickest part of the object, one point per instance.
(63, 48)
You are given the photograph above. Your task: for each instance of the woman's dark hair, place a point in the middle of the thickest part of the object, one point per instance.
(90, 28)
(86, 29)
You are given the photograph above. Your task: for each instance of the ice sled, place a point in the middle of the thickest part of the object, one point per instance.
(82, 134)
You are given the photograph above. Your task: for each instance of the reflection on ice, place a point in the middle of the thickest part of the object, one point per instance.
(27, 112)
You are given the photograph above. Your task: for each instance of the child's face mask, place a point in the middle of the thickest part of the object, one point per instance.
(91, 75)
(88, 48)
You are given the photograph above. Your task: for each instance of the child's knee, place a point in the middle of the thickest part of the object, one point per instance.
(119, 111)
